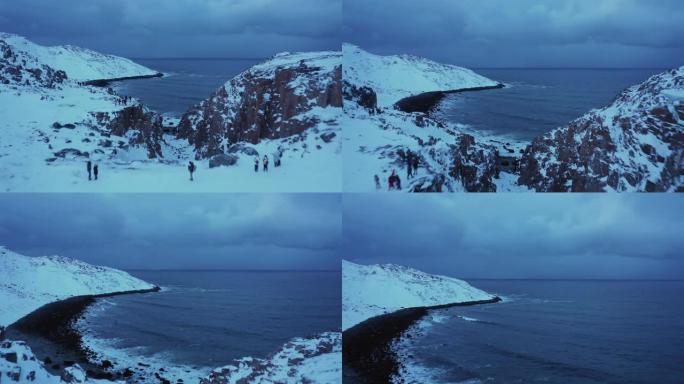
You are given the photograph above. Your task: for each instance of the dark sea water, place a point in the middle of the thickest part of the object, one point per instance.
(561, 332)
(210, 318)
(188, 82)
(539, 100)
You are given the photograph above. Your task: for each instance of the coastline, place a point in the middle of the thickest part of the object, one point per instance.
(50, 333)
(107, 82)
(366, 353)
(425, 102)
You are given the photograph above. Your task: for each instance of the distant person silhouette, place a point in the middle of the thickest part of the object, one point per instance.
(265, 163)
(96, 170)
(191, 169)
(89, 167)
(256, 164)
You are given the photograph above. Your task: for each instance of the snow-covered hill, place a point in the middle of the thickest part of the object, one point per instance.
(378, 138)
(634, 144)
(292, 94)
(27, 283)
(315, 360)
(396, 77)
(372, 290)
(80, 64)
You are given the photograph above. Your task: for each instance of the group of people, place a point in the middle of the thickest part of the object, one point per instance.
(394, 182)
(123, 100)
(93, 170)
(277, 161)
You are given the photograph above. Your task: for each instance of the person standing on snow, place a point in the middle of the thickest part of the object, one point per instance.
(409, 164)
(265, 163)
(393, 181)
(191, 168)
(89, 167)
(95, 171)
(377, 183)
(416, 160)
(256, 163)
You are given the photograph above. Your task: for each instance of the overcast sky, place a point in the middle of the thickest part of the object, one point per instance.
(522, 33)
(191, 231)
(519, 235)
(178, 28)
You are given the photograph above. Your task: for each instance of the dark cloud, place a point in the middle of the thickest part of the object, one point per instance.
(502, 33)
(178, 231)
(539, 236)
(179, 28)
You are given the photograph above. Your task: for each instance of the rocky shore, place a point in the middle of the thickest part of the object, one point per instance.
(425, 102)
(107, 82)
(367, 356)
(50, 333)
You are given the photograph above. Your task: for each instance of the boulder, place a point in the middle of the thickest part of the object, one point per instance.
(222, 160)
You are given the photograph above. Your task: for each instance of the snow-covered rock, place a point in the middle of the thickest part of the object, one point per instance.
(373, 290)
(393, 78)
(302, 360)
(27, 283)
(272, 100)
(79, 64)
(19, 365)
(634, 144)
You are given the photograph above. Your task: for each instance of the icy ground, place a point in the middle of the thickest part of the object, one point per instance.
(372, 290)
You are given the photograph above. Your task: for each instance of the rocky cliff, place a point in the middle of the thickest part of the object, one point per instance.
(268, 101)
(26, 71)
(634, 144)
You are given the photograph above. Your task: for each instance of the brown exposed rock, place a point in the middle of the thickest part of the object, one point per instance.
(146, 125)
(265, 102)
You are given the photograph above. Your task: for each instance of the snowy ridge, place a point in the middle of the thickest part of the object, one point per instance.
(373, 290)
(27, 283)
(396, 77)
(80, 64)
(634, 144)
(302, 360)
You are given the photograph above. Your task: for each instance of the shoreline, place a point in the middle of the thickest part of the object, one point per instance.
(107, 82)
(366, 347)
(49, 332)
(425, 102)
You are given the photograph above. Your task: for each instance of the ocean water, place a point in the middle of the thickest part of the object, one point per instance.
(207, 319)
(188, 82)
(538, 100)
(558, 332)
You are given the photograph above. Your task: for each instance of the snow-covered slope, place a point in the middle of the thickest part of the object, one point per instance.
(372, 290)
(634, 144)
(27, 283)
(396, 77)
(302, 360)
(79, 64)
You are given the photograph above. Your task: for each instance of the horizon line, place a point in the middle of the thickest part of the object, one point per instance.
(228, 270)
(199, 58)
(578, 68)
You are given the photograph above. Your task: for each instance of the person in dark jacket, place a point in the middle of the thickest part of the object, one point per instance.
(416, 161)
(409, 164)
(191, 169)
(394, 182)
(265, 161)
(89, 167)
(377, 183)
(96, 170)
(256, 163)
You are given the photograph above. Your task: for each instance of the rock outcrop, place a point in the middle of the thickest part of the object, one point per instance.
(20, 70)
(634, 144)
(141, 126)
(268, 101)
